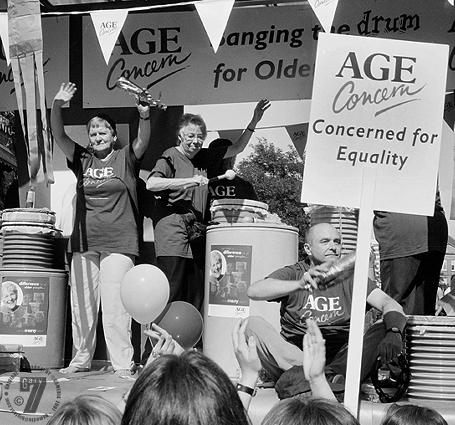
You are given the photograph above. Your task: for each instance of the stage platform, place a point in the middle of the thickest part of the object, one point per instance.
(60, 388)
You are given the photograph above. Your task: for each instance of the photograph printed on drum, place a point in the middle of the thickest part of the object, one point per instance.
(229, 277)
(24, 309)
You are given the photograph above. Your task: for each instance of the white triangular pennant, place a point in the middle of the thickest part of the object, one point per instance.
(325, 11)
(4, 34)
(108, 24)
(214, 16)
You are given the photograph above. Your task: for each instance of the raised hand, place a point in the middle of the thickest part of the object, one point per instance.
(313, 352)
(314, 361)
(66, 92)
(245, 351)
(259, 110)
(143, 107)
(164, 344)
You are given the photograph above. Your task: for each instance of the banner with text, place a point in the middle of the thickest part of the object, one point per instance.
(265, 52)
(376, 103)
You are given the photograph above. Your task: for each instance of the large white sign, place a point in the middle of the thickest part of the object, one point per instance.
(376, 103)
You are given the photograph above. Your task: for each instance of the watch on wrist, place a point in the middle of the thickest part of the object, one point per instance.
(244, 389)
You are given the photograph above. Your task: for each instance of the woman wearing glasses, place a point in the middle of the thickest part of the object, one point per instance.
(179, 181)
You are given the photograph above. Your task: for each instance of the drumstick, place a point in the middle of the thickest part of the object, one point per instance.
(228, 175)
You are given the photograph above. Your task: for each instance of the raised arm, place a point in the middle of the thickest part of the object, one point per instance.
(65, 143)
(141, 142)
(240, 144)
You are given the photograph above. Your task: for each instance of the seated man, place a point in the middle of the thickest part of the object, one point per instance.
(294, 287)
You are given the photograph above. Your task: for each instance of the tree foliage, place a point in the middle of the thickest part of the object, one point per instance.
(277, 179)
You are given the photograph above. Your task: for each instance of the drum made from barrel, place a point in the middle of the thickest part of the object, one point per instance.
(430, 349)
(238, 211)
(28, 238)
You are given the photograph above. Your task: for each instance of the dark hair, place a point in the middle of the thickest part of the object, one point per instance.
(410, 414)
(187, 119)
(183, 390)
(311, 411)
(103, 117)
(87, 410)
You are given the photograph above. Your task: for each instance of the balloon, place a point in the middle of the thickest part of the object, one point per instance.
(183, 322)
(144, 292)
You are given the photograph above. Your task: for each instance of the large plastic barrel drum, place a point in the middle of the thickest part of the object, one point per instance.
(237, 255)
(32, 313)
(430, 349)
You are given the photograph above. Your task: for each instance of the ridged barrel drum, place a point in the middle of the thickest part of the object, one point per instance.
(430, 348)
(32, 311)
(238, 211)
(28, 238)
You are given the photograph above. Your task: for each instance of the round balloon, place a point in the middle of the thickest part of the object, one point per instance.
(144, 292)
(183, 321)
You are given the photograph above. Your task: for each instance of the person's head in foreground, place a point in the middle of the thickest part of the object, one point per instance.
(189, 389)
(410, 414)
(310, 411)
(322, 243)
(87, 410)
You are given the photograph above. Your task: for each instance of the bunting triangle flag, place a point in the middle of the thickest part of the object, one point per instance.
(4, 35)
(299, 135)
(108, 24)
(325, 11)
(214, 16)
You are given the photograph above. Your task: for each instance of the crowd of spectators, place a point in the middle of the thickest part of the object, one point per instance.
(184, 387)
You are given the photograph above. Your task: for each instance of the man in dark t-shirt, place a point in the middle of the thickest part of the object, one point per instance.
(295, 288)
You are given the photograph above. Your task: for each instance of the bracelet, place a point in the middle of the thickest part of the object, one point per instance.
(250, 129)
(144, 119)
(244, 389)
